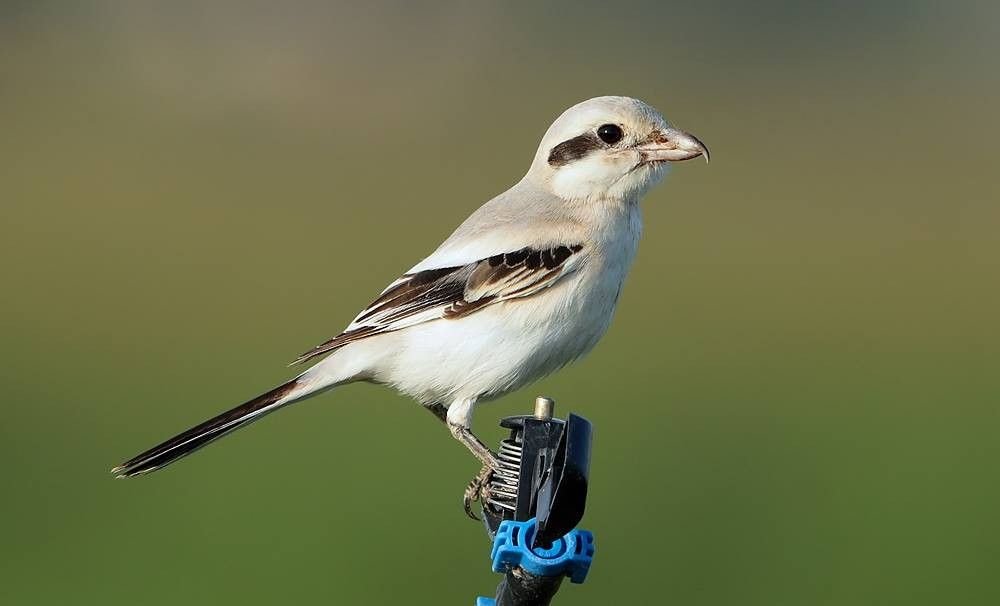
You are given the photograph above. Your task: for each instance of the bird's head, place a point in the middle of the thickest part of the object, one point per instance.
(609, 148)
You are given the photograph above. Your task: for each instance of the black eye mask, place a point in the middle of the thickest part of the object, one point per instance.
(574, 149)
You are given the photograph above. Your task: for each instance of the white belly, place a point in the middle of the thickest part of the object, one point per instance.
(498, 349)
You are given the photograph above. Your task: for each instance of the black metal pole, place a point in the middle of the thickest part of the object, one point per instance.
(520, 588)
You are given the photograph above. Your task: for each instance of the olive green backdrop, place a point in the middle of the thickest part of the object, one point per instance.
(797, 403)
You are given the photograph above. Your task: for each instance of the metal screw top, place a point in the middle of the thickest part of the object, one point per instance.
(544, 407)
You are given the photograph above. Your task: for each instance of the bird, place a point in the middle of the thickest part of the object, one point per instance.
(528, 283)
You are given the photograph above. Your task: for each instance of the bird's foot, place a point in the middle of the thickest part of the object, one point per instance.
(477, 490)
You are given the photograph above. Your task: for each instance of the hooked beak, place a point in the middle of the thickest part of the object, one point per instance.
(672, 145)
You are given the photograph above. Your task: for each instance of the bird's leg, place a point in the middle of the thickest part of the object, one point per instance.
(474, 444)
(458, 418)
(479, 488)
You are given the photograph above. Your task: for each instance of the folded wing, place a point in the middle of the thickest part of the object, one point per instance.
(453, 292)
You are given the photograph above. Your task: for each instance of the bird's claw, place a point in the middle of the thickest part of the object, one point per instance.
(477, 490)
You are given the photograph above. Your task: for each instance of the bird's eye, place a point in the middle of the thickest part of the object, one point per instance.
(610, 133)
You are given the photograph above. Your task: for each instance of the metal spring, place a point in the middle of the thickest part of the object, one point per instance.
(504, 481)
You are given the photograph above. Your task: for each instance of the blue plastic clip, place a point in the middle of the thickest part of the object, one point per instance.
(481, 601)
(571, 555)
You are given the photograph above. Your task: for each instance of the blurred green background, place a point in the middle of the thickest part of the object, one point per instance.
(797, 403)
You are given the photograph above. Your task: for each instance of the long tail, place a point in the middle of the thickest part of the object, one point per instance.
(191, 440)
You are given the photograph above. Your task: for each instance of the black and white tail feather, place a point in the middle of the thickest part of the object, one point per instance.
(201, 435)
